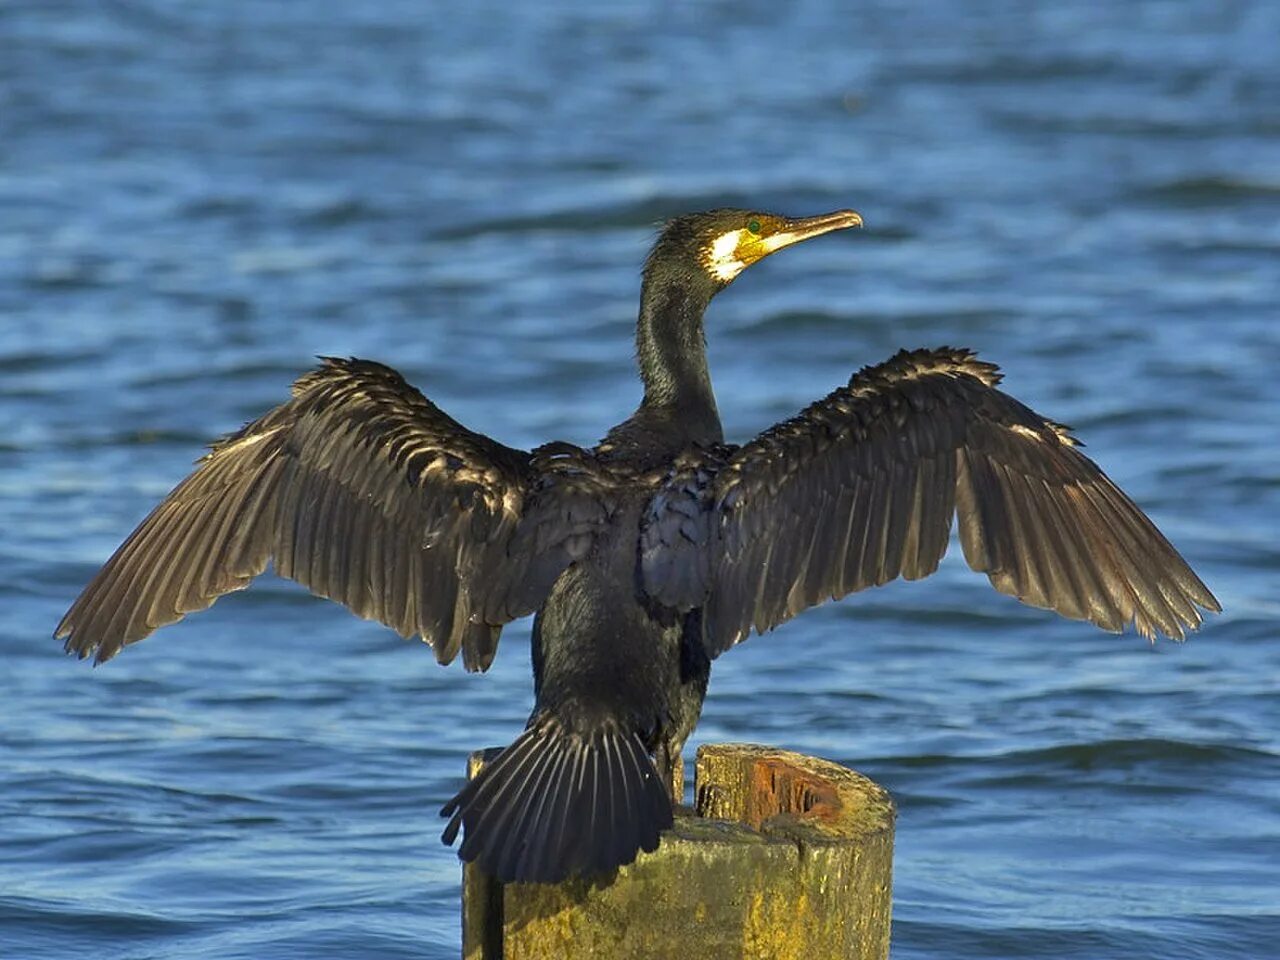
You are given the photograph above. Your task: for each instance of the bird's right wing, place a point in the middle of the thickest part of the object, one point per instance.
(862, 488)
(365, 492)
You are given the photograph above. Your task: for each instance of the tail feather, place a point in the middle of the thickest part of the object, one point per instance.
(560, 803)
(515, 835)
(607, 790)
(549, 813)
(492, 809)
(593, 815)
(619, 787)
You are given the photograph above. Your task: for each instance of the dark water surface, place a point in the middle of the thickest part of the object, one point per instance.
(196, 198)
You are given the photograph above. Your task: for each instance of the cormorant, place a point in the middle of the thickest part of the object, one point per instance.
(645, 557)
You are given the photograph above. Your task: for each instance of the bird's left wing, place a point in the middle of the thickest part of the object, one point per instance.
(367, 493)
(861, 488)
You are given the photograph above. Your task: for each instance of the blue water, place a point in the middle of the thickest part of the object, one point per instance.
(196, 198)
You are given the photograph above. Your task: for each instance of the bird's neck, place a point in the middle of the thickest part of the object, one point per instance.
(672, 351)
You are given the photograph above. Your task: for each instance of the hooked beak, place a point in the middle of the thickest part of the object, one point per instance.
(802, 228)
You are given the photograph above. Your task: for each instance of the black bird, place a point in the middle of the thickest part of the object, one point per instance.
(645, 557)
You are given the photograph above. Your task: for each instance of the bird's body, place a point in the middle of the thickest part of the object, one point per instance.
(644, 557)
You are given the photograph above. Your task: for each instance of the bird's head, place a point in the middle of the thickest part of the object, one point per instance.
(720, 244)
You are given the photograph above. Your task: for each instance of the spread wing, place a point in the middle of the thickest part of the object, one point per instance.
(365, 492)
(861, 488)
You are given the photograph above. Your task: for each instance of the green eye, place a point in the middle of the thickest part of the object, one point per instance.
(754, 227)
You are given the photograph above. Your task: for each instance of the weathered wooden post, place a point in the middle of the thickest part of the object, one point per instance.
(785, 856)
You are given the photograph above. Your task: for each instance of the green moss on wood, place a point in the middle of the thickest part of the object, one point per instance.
(788, 856)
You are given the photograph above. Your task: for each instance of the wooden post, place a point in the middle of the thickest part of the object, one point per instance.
(784, 857)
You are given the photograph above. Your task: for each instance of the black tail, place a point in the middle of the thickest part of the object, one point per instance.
(558, 803)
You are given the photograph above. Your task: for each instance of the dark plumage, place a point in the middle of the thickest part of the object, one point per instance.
(645, 557)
